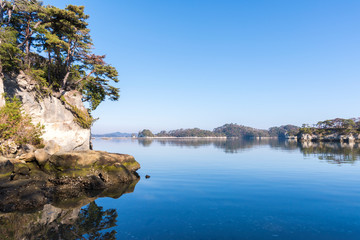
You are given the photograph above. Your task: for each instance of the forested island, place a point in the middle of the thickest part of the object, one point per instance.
(231, 130)
(337, 129)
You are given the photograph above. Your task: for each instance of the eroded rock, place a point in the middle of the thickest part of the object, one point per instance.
(41, 156)
(70, 175)
(58, 121)
(6, 167)
(28, 157)
(52, 147)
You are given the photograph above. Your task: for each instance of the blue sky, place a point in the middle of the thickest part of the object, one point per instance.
(204, 63)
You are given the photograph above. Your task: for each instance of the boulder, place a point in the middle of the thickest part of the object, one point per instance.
(52, 147)
(91, 158)
(28, 148)
(28, 157)
(6, 167)
(41, 156)
(21, 169)
(108, 167)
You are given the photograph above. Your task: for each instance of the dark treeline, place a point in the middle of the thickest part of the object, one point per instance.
(228, 130)
(338, 126)
(194, 132)
(333, 126)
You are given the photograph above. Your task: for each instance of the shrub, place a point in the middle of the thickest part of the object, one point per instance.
(15, 125)
(82, 118)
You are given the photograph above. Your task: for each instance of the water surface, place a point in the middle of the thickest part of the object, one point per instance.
(213, 189)
(238, 189)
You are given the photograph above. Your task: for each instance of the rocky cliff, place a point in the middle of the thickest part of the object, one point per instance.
(333, 137)
(56, 115)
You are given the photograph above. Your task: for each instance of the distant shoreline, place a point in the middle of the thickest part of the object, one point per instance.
(109, 138)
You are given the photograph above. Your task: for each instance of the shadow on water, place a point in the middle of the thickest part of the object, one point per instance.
(66, 217)
(332, 152)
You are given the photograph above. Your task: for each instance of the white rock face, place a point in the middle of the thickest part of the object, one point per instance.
(49, 111)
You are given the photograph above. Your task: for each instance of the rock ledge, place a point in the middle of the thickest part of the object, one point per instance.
(36, 178)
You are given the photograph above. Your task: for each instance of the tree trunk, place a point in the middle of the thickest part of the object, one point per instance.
(49, 68)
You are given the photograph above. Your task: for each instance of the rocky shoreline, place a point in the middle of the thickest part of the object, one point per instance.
(39, 176)
(334, 137)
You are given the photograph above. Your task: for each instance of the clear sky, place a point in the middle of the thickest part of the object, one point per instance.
(204, 63)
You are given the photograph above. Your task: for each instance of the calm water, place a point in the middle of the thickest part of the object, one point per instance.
(220, 190)
(239, 190)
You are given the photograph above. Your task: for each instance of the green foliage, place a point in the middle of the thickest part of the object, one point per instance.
(39, 76)
(93, 220)
(306, 129)
(232, 131)
(194, 132)
(239, 131)
(82, 118)
(10, 54)
(333, 126)
(15, 125)
(53, 46)
(284, 130)
(146, 133)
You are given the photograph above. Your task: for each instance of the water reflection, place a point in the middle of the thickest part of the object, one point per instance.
(336, 153)
(332, 152)
(66, 218)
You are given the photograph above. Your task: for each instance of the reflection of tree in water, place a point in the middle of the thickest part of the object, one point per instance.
(90, 222)
(330, 151)
(230, 145)
(336, 153)
(93, 219)
(236, 145)
(145, 142)
(283, 144)
(193, 143)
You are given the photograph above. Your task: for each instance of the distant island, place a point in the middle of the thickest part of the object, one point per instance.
(231, 130)
(338, 129)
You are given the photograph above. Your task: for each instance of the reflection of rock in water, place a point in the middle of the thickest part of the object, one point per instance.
(30, 185)
(332, 152)
(29, 195)
(64, 218)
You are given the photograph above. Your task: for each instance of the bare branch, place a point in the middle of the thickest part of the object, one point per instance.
(84, 78)
(29, 35)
